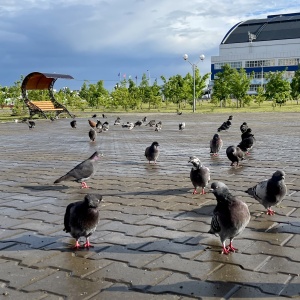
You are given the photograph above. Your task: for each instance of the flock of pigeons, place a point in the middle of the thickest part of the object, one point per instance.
(230, 216)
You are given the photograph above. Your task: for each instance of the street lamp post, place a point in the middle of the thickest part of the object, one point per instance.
(186, 57)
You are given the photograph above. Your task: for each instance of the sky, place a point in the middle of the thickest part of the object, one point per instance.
(94, 40)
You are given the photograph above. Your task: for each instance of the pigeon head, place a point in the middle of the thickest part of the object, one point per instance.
(249, 130)
(216, 136)
(195, 161)
(95, 156)
(244, 123)
(218, 188)
(278, 175)
(155, 144)
(230, 118)
(92, 200)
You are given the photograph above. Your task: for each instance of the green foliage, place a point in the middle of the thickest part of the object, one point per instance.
(231, 83)
(295, 85)
(277, 88)
(260, 97)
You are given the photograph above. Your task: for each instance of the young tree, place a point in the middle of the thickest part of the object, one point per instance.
(277, 88)
(222, 85)
(295, 85)
(260, 97)
(240, 84)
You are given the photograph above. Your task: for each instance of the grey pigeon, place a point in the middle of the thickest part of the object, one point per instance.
(215, 145)
(152, 152)
(105, 126)
(270, 192)
(158, 126)
(230, 216)
(248, 133)
(144, 119)
(235, 155)
(181, 126)
(128, 125)
(243, 127)
(73, 124)
(82, 171)
(99, 125)
(92, 135)
(117, 121)
(82, 217)
(151, 123)
(30, 123)
(199, 175)
(138, 123)
(224, 127)
(247, 144)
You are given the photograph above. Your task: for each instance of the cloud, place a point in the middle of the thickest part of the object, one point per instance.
(97, 39)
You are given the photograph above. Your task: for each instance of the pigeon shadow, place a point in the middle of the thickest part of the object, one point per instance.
(27, 242)
(211, 289)
(45, 187)
(166, 192)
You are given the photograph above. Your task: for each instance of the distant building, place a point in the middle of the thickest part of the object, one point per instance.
(261, 45)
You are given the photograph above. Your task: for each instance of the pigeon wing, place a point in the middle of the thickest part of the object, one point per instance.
(67, 217)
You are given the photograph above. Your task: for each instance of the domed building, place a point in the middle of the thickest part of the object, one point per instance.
(261, 45)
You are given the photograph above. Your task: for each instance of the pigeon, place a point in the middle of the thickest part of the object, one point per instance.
(179, 113)
(152, 152)
(104, 116)
(215, 145)
(138, 123)
(224, 127)
(73, 124)
(151, 123)
(181, 126)
(199, 174)
(105, 126)
(243, 127)
(128, 125)
(144, 119)
(94, 116)
(30, 123)
(82, 171)
(269, 192)
(247, 144)
(235, 155)
(92, 134)
(230, 216)
(158, 126)
(92, 123)
(247, 134)
(99, 125)
(117, 121)
(82, 217)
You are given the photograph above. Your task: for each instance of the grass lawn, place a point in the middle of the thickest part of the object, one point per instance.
(201, 107)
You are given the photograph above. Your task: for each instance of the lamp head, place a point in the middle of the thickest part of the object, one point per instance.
(185, 57)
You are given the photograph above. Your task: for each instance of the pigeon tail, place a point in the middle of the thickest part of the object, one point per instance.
(64, 178)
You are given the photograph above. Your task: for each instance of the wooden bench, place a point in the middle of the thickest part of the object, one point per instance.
(45, 105)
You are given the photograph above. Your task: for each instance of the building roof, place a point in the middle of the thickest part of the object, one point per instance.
(274, 27)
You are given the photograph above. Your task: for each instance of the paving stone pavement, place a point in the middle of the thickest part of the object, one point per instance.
(152, 240)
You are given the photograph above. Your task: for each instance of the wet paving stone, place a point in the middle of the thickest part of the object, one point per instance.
(152, 241)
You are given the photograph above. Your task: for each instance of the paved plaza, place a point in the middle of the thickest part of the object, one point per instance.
(152, 240)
